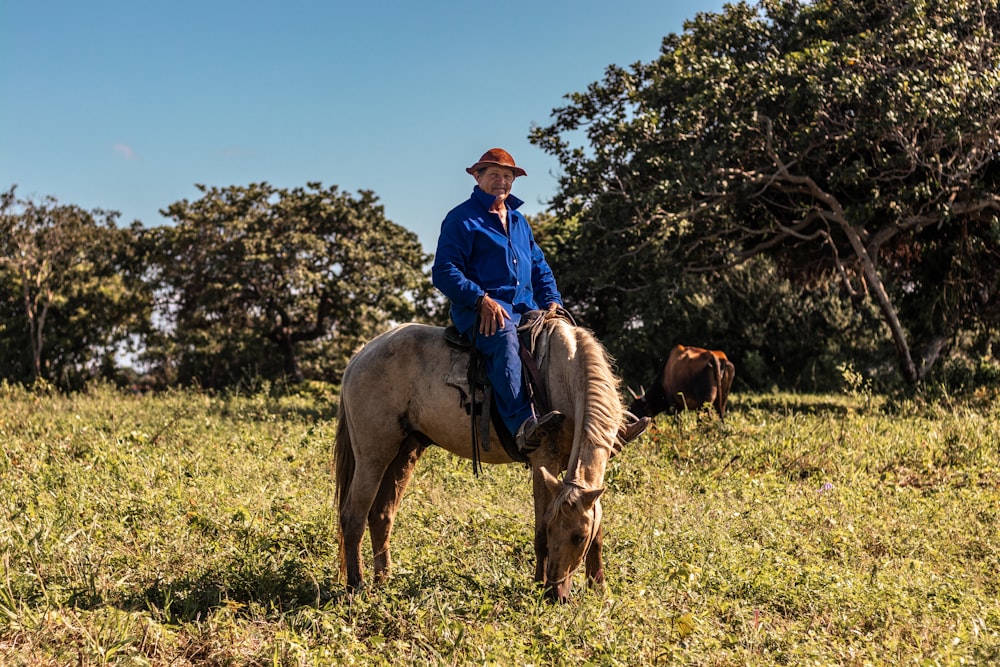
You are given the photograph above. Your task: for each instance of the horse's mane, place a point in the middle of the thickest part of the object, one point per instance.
(597, 389)
(604, 409)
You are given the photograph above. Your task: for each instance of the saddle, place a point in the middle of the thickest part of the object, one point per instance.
(481, 408)
(480, 405)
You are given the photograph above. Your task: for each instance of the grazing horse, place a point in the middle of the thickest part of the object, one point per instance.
(403, 391)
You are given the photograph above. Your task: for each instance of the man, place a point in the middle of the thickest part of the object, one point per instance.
(488, 264)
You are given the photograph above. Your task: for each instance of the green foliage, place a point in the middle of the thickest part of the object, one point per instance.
(262, 282)
(195, 529)
(72, 291)
(853, 143)
(776, 333)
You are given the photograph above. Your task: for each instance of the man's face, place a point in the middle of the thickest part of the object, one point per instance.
(497, 181)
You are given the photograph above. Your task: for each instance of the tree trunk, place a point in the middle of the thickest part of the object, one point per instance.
(291, 361)
(835, 213)
(906, 365)
(36, 325)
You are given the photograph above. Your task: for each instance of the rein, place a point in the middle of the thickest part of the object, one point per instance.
(529, 331)
(485, 402)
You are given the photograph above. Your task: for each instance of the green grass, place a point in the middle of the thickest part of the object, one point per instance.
(187, 529)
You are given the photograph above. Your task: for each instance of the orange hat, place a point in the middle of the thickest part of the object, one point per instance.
(499, 157)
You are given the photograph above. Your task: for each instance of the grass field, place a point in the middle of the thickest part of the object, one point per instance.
(186, 529)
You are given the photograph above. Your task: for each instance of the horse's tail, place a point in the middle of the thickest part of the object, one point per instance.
(343, 457)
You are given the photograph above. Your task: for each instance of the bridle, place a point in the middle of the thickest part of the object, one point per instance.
(594, 527)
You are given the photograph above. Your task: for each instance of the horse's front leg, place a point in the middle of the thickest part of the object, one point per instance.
(595, 561)
(541, 551)
(541, 460)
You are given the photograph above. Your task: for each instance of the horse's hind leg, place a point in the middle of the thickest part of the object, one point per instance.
(390, 493)
(354, 510)
(352, 527)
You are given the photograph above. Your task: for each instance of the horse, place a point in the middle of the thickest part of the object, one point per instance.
(404, 391)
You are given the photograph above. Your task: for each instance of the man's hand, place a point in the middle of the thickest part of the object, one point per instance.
(491, 316)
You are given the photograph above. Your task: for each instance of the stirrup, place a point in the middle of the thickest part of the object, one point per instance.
(533, 430)
(634, 427)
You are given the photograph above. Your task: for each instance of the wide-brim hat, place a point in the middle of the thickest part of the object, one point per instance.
(498, 157)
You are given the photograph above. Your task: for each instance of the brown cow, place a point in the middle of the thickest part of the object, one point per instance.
(690, 378)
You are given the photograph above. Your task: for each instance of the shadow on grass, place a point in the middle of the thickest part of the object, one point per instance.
(802, 405)
(291, 585)
(287, 586)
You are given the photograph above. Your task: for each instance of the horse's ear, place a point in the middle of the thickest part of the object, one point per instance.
(551, 482)
(588, 498)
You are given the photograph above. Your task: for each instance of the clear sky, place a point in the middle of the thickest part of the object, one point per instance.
(125, 105)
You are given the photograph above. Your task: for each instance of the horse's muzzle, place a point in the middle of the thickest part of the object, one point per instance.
(559, 591)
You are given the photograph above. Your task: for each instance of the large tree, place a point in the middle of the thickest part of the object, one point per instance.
(271, 282)
(841, 138)
(72, 287)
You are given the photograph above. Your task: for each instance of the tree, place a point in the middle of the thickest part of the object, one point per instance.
(72, 289)
(277, 283)
(842, 139)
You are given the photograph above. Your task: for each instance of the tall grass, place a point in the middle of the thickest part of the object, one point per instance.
(188, 529)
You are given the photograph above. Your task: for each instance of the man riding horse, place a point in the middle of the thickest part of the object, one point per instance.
(488, 265)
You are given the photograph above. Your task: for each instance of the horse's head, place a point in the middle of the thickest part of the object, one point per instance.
(571, 522)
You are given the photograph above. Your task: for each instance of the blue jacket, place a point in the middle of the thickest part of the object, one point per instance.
(475, 257)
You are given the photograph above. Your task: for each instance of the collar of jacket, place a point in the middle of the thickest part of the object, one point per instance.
(486, 199)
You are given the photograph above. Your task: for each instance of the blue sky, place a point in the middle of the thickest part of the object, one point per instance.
(126, 105)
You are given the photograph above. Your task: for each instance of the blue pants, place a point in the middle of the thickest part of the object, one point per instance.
(503, 367)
